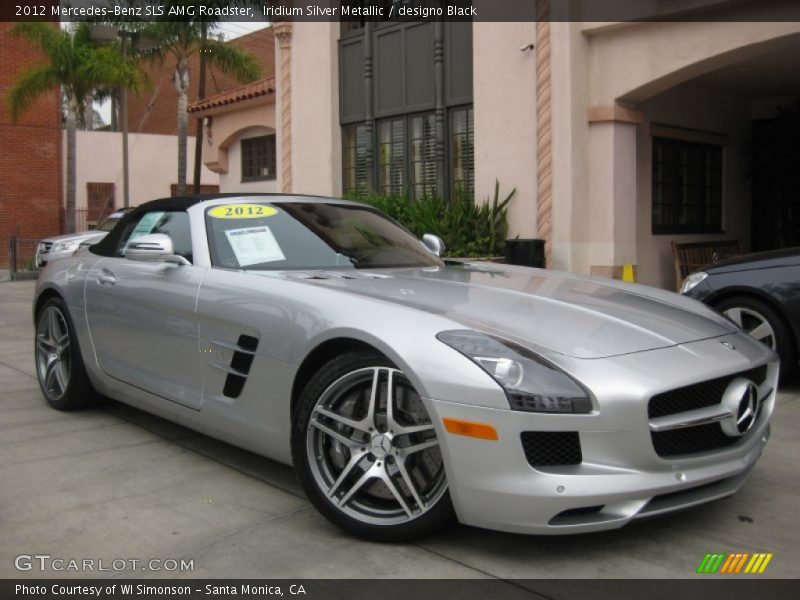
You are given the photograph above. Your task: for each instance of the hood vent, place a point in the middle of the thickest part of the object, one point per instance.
(324, 275)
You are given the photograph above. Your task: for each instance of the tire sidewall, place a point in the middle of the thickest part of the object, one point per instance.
(76, 394)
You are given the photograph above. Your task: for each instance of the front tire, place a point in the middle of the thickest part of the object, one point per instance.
(762, 322)
(366, 452)
(59, 365)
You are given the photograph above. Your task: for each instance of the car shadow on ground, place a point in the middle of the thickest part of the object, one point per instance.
(253, 465)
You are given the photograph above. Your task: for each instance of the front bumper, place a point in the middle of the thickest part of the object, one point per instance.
(621, 477)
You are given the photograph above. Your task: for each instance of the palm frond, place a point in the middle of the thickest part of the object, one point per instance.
(29, 87)
(43, 35)
(109, 68)
(232, 60)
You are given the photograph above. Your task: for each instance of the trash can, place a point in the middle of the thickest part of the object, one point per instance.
(525, 252)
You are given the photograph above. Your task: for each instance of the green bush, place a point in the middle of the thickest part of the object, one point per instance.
(469, 229)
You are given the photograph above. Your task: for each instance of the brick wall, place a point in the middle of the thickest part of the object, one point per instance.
(30, 154)
(155, 108)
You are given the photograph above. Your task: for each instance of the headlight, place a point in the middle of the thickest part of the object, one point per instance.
(65, 247)
(692, 280)
(530, 383)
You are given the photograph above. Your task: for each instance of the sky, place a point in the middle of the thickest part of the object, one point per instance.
(234, 30)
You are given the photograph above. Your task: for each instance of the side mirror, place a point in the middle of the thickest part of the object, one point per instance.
(154, 247)
(433, 243)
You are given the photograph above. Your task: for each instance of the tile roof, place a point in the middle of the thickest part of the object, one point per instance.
(263, 87)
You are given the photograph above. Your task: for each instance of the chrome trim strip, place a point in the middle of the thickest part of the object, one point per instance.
(234, 347)
(691, 418)
(228, 369)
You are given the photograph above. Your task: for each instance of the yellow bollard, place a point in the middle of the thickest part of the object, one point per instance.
(627, 273)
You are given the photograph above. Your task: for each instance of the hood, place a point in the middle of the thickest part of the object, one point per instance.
(78, 236)
(582, 317)
(758, 260)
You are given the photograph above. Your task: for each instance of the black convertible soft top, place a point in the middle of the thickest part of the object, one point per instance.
(108, 244)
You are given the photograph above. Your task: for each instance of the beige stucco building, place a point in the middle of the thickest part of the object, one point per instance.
(99, 173)
(619, 137)
(239, 136)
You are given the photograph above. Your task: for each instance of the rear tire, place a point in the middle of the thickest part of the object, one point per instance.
(59, 365)
(764, 323)
(368, 459)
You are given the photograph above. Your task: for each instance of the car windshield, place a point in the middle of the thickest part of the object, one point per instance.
(310, 235)
(109, 222)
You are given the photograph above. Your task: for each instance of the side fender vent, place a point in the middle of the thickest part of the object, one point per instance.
(241, 362)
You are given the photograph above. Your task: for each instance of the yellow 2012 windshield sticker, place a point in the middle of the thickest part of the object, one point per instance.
(241, 211)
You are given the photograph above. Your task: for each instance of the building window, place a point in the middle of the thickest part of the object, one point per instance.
(422, 156)
(687, 187)
(354, 159)
(462, 153)
(258, 158)
(392, 157)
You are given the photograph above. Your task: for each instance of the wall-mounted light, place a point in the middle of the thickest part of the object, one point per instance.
(526, 47)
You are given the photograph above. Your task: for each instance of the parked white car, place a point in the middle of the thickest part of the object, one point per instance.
(62, 246)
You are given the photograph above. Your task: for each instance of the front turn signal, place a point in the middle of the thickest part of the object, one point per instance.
(482, 431)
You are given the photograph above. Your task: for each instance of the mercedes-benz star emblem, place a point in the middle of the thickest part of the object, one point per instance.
(728, 345)
(381, 445)
(741, 399)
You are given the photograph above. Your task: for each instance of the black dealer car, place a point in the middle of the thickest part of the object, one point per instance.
(760, 293)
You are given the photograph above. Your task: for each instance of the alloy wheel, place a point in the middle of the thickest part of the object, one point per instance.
(53, 355)
(753, 324)
(373, 450)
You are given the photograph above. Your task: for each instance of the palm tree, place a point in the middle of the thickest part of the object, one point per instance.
(182, 40)
(77, 66)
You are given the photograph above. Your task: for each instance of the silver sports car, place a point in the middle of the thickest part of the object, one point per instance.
(406, 389)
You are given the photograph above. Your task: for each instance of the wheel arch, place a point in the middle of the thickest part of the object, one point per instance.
(320, 355)
(45, 295)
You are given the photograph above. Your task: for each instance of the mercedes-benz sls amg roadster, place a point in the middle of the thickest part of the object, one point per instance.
(404, 388)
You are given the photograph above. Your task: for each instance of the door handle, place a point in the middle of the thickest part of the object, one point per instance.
(106, 277)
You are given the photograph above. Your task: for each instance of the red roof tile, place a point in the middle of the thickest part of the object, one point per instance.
(263, 87)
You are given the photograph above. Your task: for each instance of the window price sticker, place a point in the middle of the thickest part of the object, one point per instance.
(254, 245)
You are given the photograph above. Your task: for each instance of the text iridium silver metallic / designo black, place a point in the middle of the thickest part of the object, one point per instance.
(404, 388)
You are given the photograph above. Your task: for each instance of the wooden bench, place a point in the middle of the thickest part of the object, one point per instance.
(690, 256)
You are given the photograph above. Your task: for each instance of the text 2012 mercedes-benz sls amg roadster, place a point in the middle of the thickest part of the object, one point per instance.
(406, 389)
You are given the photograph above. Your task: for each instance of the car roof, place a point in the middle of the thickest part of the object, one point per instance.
(185, 202)
(107, 245)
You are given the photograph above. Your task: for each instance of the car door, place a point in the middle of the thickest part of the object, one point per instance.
(142, 316)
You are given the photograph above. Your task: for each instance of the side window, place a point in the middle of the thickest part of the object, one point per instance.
(175, 224)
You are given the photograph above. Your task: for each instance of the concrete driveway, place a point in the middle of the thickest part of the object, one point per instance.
(117, 483)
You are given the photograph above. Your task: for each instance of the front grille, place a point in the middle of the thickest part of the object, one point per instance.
(699, 395)
(552, 448)
(691, 440)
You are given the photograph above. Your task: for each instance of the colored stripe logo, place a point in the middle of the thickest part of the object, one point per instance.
(735, 562)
